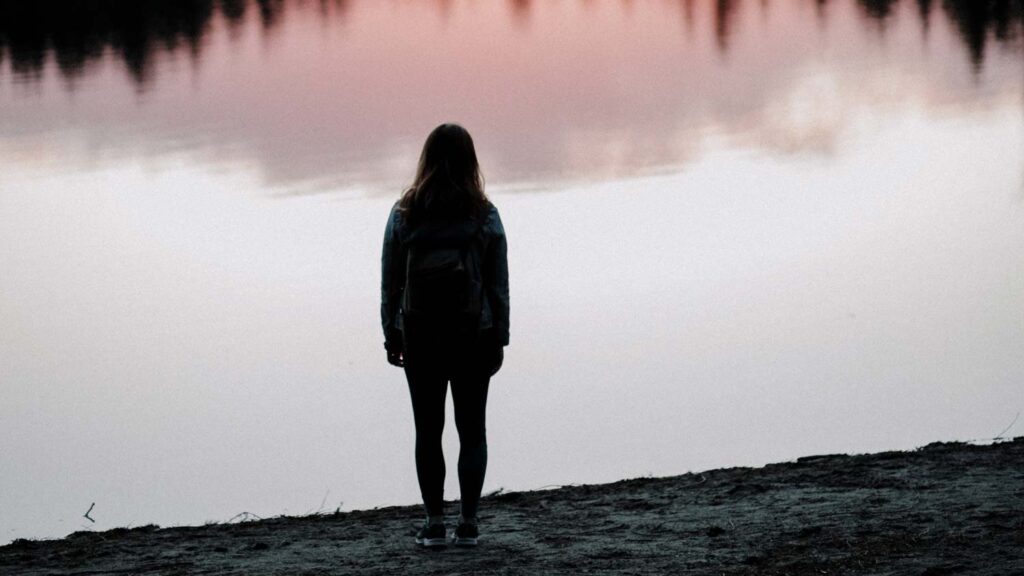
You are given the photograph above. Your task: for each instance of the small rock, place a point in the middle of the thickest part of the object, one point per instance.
(714, 531)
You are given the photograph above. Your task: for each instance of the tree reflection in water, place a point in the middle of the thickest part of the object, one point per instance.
(76, 33)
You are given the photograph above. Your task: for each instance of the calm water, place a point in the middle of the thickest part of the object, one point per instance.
(740, 232)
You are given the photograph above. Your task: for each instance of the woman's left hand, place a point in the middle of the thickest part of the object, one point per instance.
(497, 359)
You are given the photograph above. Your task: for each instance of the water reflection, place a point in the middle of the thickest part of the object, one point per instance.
(76, 33)
(725, 11)
(323, 95)
(976, 20)
(880, 9)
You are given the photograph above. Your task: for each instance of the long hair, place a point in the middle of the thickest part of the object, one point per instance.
(448, 183)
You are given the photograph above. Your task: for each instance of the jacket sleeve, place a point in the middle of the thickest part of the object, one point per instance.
(392, 282)
(496, 279)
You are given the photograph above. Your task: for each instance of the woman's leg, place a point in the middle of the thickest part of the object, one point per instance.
(469, 394)
(428, 388)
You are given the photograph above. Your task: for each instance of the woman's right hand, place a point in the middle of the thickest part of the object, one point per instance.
(396, 359)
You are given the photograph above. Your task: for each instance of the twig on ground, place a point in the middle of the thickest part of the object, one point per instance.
(494, 492)
(1007, 429)
(703, 479)
(245, 517)
(86, 515)
(324, 502)
(556, 486)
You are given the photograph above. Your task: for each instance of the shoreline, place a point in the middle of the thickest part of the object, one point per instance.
(944, 508)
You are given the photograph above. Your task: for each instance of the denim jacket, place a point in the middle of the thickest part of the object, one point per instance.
(495, 312)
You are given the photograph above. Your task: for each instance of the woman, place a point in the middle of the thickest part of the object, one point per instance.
(445, 311)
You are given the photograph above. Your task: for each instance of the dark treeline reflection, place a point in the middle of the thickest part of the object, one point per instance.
(974, 19)
(78, 32)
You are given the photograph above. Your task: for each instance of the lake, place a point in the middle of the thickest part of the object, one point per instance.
(739, 232)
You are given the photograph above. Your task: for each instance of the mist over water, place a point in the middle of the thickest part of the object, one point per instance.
(739, 232)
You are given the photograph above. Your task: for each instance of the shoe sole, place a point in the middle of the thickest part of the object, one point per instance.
(432, 542)
(464, 541)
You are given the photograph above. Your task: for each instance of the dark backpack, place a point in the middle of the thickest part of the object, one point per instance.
(443, 285)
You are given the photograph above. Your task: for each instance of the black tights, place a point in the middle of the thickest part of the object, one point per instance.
(428, 369)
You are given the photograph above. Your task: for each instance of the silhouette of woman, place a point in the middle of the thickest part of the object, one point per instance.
(445, 313)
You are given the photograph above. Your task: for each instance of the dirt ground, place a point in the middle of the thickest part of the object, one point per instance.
(942, 509)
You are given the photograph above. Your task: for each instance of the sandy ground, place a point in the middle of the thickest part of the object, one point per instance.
(942, 509)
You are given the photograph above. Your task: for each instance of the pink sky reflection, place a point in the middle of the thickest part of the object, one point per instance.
(552, 91)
